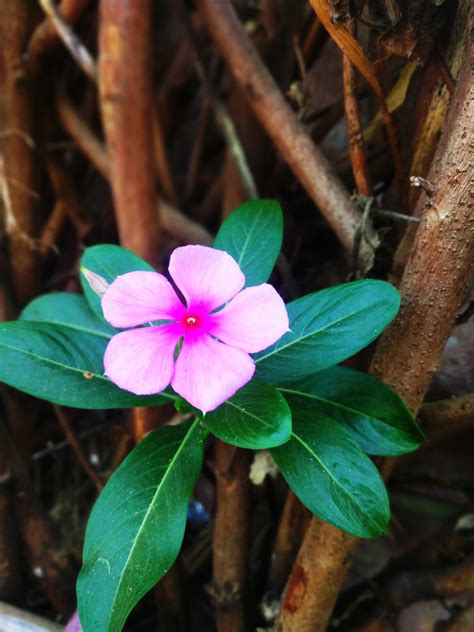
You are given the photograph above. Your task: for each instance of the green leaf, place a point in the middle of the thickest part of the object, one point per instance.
(71, 310)
(331, 475)
(64, 365)
(374, 415)
(137, 525)
(257, 417)
(327, 327)
(109, 261)
(252, 235)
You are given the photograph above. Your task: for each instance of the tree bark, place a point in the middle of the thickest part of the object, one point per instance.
(19, 158)
(230, 539)
(125, 90)
(432, 288)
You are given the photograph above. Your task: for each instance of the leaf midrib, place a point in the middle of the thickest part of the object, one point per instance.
(331, 402)
(329, 473)
(54, 362)
(247, 237)
(86, 330)
(151, 504)
(309, 335)
(249, 414)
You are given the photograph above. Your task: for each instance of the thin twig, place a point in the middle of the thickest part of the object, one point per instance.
(224, 120)
(354, 127)
(79, 52)
(46, 37)
(66, 425)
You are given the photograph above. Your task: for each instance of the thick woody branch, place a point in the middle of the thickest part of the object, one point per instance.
(230, 538)
(19, 173)
(278, 119)
(125, 90)
(432, 288)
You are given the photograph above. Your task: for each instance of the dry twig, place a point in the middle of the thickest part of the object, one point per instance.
(279, 120)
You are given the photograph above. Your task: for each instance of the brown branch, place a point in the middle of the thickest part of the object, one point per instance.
(291, 529)
(464, 622)
(447, 417)
(163, 169)
(52, 229)
(223, 118)
(230, 538)
(181, 227)
(354, 127)
(20, 164)
(125, 91)
(432, 289)
(414, 585)
(340, 33)
(173, 221)
(67, 194)
(278, 119)
(45, 37)
(66, 425)
(86, 140)
(70, 40)
(433, 118)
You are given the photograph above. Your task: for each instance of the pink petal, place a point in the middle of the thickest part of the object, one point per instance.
(205, 276)
(142, 360)
(140, 297)
(252, 321)
(208, 372)
(73, 624)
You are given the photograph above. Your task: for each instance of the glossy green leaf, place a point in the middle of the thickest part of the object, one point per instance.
(374, 415)
(252, 235)
(70, 310)
(331, 475)
(109, 261)
(137, 525)
(64, 365)
(327, 327)
(257, 417)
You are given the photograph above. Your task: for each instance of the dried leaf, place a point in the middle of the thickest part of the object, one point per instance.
(347, 43)
(394, 100)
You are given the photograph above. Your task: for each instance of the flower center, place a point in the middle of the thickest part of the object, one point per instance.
(191, 321)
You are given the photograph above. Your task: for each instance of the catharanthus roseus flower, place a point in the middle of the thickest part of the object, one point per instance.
(213, 361)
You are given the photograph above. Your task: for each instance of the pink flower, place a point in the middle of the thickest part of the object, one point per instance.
(213, 362)
(73, 624)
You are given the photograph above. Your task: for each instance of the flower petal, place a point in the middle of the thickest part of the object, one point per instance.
(252, 321)
(142, 360)
(208, 372)
(205, 276)
(140, 297)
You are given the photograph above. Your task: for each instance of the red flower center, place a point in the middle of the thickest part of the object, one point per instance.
(191, 321)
